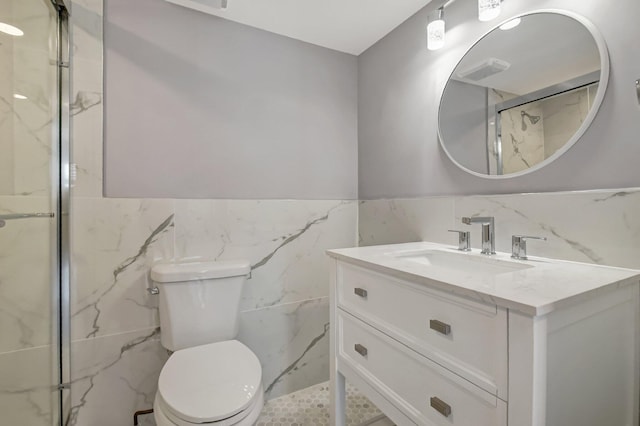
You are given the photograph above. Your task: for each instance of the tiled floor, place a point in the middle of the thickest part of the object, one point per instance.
(310, 407)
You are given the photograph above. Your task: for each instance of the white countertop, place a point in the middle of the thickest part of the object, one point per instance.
(549, 285)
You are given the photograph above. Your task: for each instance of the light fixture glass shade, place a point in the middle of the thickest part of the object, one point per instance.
(435, 32)
(488, 9)
(510, 24)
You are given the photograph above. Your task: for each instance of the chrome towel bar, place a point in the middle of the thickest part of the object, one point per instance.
(14, 216)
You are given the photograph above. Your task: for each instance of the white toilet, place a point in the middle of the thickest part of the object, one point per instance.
(210, 378)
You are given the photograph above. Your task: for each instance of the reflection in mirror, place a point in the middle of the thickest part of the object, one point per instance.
(523, 94)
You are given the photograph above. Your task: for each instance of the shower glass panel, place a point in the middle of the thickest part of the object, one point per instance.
(30, 349)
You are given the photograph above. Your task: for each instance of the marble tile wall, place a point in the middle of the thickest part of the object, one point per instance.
(284, 311)
(116, 351)
(6, 106)
(601, 227)
(27, 361)
(535, 131)
(522, 137)
(563, 115)
(117, 354)
(86, 96)
(25, 123)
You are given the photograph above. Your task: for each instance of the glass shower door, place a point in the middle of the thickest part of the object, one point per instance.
(29, 203)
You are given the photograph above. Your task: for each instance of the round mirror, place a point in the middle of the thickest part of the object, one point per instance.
(523, 94)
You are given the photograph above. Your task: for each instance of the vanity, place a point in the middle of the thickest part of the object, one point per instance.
(437, 336)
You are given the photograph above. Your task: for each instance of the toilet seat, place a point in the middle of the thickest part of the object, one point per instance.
(247, 417)
(210, 384)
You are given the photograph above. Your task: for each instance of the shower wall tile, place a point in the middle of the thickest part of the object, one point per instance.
(115, 242)
(406, 220)
(34, 76)
(563, 115)
(86, 23)
(25, 275)
(26, 393)
(284, 240)
(26, 123)
(6, 105)
(292, 343)
(114, 376)
(86, 112)
(522, 137)
(86, 97)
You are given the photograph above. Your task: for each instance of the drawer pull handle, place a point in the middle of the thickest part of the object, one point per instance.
(361, 349)
(440, 327)
(360, 292)
(440, 406)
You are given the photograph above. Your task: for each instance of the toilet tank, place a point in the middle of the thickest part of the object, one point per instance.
(199, 300)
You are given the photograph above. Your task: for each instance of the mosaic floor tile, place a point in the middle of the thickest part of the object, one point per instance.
(310, 407)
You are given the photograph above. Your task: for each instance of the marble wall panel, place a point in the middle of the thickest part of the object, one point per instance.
(405, 220)
(27, 396)
(26, 271)
(6, 107)
(27, 246)
(284, 308)
(292, 343)
(115, 242)
(284, 240)
(86, 24)
(34, 75)
(284, 317)
(114, 376)
(601, 227)
(86, 111)
(86, 97)
(522, 130)
(563, 116)
(534, 131)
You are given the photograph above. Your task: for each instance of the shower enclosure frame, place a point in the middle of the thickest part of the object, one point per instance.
(62, 192)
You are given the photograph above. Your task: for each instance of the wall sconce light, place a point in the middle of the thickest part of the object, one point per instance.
(488, 9)
(510, 24)
(436, 31)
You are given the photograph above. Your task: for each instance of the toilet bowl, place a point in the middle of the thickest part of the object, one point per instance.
(216, 384)
(210, 378)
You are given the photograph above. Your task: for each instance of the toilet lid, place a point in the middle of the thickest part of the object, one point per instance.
(210, 382)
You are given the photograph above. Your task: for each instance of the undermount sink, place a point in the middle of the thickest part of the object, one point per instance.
(460, 262)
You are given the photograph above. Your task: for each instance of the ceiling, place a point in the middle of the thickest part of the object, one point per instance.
(349, 26)
(544, 50)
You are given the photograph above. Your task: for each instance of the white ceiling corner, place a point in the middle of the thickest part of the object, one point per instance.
(349, 26)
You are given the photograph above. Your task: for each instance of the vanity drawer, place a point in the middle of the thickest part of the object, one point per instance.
(466, 337)
(426, 392)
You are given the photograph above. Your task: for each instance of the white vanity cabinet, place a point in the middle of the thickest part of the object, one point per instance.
(431, 352)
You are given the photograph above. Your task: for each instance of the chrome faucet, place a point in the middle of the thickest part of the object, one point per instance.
(519, 245)
(488, 232)
(464, 240)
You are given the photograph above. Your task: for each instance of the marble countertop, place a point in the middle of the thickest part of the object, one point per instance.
(549, 285)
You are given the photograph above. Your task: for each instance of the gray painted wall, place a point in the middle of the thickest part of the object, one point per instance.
(200, 107)
(466, 104)
(400, 83)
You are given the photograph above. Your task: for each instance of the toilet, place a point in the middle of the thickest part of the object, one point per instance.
(210, 378)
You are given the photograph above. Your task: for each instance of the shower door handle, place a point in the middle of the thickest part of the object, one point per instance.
(14, 216)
